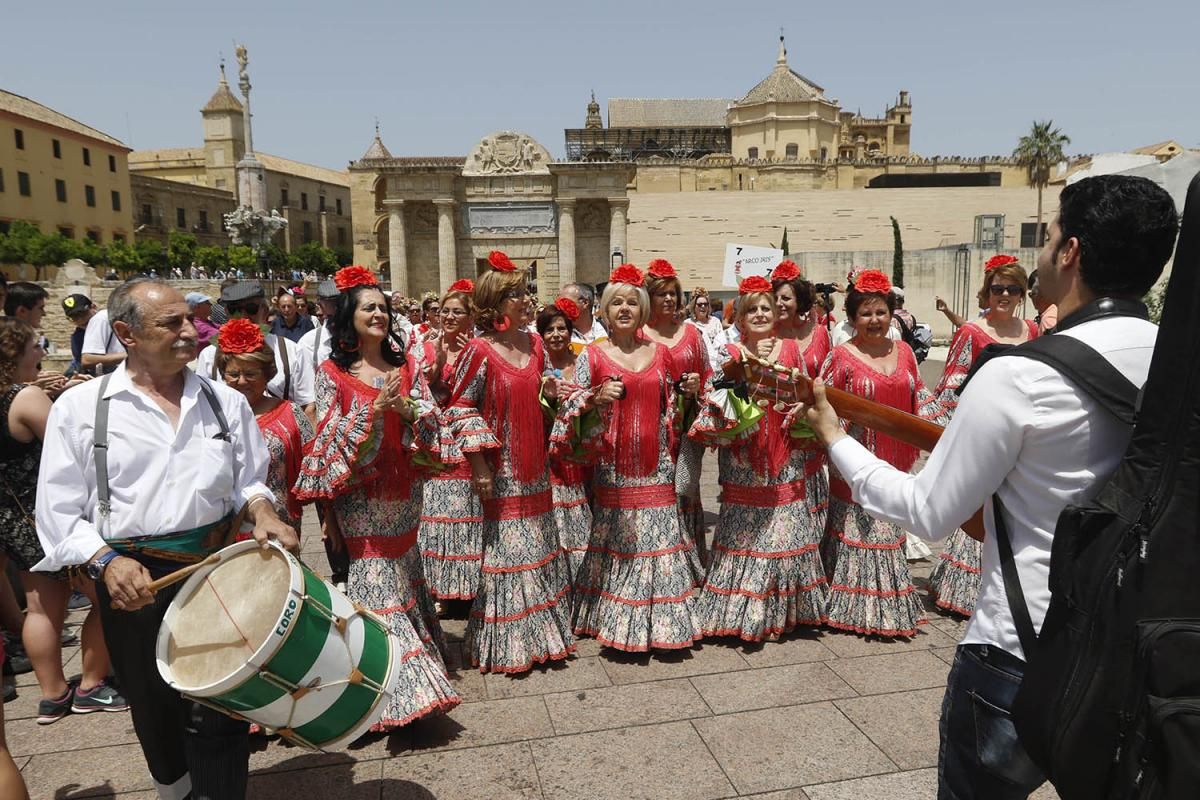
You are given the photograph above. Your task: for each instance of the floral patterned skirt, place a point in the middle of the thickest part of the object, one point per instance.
(451, 537)
(766, 576)
(870, 588)
(386, 577)
(521, 613)
(691, 510)
(573, 518)
(634, 591)
(954, 582)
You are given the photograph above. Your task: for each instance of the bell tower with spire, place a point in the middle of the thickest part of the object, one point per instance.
(224, 135)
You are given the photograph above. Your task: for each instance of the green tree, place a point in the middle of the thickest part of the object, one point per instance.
(1038, 151)
(313, 257)
(16, 244)
(151, 254)
(276, 258)
(181, 249)
(240, 256)
(92, 252)
(211, 258)
(783, 244)
(46, 251)
(344, 255)
(897, 255)
(124, 259)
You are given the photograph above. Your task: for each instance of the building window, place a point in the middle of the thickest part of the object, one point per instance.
(220, 183)
(321, 203)
(1, 180)
(824, 153)
(112, 163)
(283, 198)
(338, 201)
(94, 236)
(60, 190)
(307, 234)
(304, 201)
(903, 118)
(203, 221)
(116, 200)
(180, 218)
(5, 225)
(792, 151)
(752, 152)
(89, 196)
(118, 237)
(87, 157)
(341, 236)
(1029, 237)
(23, 184)
(67, 232)
(19, 136)
(147, 214)
(57, 146)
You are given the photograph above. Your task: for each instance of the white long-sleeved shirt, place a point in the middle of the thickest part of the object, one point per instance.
(99, 339)
(302, 373)
(318, 336)
(1025, 433)
(161, 479)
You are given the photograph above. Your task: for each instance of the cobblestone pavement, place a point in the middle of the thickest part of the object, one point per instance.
(821, 715)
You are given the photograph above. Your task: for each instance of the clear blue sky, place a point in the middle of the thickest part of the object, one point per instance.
(441, 75)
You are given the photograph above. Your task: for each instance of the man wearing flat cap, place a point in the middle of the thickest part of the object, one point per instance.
(293, 377)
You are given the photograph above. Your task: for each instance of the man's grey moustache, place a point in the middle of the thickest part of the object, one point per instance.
(182, 343)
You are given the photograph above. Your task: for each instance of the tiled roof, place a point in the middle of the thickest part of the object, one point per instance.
(783, 85)
(30, 109)
(302, 170)
(148, 157)
(376, 150)
(223, 99)
(637, 112)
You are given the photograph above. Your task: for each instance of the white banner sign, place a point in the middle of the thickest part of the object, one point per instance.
(744, 260)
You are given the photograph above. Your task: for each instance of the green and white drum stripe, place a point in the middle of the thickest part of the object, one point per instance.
(321, 675)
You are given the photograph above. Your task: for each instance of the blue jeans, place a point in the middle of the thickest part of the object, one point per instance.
(979, 756)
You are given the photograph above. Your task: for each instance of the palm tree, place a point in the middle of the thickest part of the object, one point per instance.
(1037, 151)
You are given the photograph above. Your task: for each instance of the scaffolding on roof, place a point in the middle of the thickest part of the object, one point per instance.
(639, 144)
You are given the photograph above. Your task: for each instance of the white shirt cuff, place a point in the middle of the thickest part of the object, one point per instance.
(849, 456)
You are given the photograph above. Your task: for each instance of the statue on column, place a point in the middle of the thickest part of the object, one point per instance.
(243, 59)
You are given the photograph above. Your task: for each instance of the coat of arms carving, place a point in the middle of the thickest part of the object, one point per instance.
(507, 153)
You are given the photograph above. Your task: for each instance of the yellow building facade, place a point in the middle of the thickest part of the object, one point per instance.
(60, 174)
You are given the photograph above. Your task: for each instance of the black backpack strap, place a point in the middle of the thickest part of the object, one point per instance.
(1088, 370)
(281, 342)
(215, 405)
(1012, 583)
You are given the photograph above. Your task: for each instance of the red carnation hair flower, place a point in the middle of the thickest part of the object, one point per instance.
(785, 270)
(754, 284)
(239, 336)
(349, 277)
(872, 281)
(661, 268)
(568, 307)
(628, 273)
(1002, 260)
(464, 285)
(501, 262)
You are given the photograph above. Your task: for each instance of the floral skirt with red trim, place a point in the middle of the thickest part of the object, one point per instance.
(522, 611)
(451, 538)
(389, 581)
(766, 577)
(634, 591)
(573, 518)
(954, 582)
(870, 589)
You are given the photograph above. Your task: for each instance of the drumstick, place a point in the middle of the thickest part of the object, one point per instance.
(180, 574)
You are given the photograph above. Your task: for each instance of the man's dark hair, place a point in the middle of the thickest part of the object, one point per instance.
(23, 294)
(1126, 228)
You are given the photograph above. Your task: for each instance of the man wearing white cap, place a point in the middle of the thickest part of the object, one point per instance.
(201, 306)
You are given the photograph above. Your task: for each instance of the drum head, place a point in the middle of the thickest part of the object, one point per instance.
(228, 615)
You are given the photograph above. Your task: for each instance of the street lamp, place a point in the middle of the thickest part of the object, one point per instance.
(617, 258)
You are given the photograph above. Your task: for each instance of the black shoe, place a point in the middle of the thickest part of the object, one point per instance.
(10, 691)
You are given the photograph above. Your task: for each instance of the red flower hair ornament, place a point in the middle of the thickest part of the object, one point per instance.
(464, 285)
(754, 284)
(349, 277)
(1002, 260)
(785, 270)
(872, 281)
(568, 307)
(501, 262)
(661, 268)
(628, 273)
(239, 336)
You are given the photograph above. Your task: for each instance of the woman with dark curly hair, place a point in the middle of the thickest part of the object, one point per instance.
(375, 417)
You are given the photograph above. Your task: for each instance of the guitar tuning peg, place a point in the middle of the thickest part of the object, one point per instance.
(780, 406)
(762, 403)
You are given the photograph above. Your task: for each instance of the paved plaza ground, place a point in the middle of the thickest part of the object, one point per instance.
(821, 715)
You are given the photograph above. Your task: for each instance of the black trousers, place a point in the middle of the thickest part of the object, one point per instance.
(179, 738)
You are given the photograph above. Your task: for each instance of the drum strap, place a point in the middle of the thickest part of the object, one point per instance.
(317, 347)
(100, 439)
(281, 343)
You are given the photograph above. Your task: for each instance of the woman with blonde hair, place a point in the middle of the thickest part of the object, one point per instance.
(634, 592)
(954, 582)
(521, 613)
(451, 532)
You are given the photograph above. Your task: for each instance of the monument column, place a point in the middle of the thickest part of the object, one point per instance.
(397, 247)
(566, 241)
(447, 258)
(618, 217)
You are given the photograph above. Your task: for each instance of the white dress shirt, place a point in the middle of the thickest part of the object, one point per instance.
(99, 339)
(303, 390)
(161, 479)
(318, 336)
(595, 334)
(1025, 433)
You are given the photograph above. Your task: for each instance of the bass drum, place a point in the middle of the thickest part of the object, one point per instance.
(259, 636)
